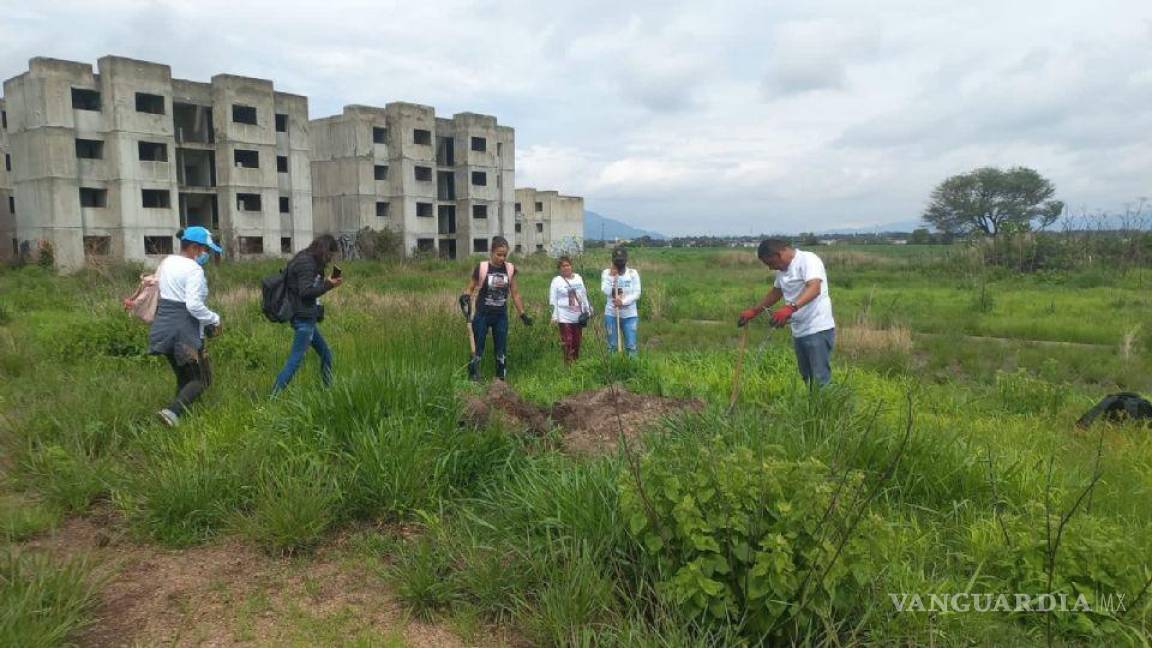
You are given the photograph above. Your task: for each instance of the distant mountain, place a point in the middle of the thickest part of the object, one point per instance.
(597, 227)
(902, 226)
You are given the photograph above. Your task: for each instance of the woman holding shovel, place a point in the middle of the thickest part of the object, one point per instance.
(493, 282)
(621, 285)
(570, 307)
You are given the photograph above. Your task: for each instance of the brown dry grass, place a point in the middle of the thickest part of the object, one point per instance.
(862, 339)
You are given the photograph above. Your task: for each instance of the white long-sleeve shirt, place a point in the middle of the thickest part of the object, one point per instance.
(181, 279)
(628, 284)
(568, 299)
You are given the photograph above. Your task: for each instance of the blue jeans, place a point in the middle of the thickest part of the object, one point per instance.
(307, 334)
(498, 322)
(813, 356)
(628, 327)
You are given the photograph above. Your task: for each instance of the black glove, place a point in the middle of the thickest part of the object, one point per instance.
(526, 318)
(466, 305)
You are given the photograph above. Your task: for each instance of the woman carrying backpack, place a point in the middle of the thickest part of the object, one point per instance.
(305, 282)
(493, 281)
(570, 307)
(182, 320)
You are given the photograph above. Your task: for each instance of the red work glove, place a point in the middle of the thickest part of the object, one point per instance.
(747, 315)
(781, 315)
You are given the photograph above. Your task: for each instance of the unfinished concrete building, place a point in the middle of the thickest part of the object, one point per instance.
(446, 186)
(546, 218)
(8, 242)
(112, 163)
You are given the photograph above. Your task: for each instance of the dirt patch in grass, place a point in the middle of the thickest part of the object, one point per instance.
(589, 423)
(228, 593)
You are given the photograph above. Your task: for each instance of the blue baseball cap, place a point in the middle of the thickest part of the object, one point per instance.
(197, 234)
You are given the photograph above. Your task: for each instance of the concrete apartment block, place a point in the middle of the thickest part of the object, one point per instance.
(444, 185)
(113, 163)
(8, 242)
(544, 217)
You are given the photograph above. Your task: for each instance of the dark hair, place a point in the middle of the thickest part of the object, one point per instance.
(499, 241)
(184, 245)
(768, 247)
(322, 248)
(562, 260)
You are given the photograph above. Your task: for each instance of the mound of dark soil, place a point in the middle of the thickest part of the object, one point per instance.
(590, 422)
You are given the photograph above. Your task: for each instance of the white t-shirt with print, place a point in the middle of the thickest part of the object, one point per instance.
(628, 285)
(816, 315)
(568, 299)
(181, 279)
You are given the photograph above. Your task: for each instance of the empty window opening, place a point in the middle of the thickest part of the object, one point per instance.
(246, 159)
(519, 248)
(479, 211)
(248, 202)
(281, 123)
(517, 228)
(97, 245)
(479, 144)
(155, 198)
(480, 245)
(379, 135)
(285, 245)
(517, 208)
(499, 149)
(251, 244)
(425, 245)
(12, 205)
(539, 206)
(243, 114)
(380, 171)
(424, 174)
(540, 227)
(382, 209)
(198, 209)
(445, 185)
(149, 103)
(424, 210)
(421, 136)
(539, 247)
(4, 119)
(480, 178)
(7, 162)
(90, 197)
(445, 151)
(285, 205)
(195, 168)
(447, 248)
(153, 152)
(157, 245)
(281, 164)
(446, 219)
(83, 99)
(193, 123)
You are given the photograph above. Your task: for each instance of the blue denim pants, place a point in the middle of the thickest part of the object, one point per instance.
(814, 356)
(306, 334)
(627, 327)
(498, 322)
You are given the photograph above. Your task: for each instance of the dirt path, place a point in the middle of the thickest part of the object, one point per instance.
(230, 594)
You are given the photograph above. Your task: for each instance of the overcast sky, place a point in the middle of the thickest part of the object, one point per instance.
(708, 117)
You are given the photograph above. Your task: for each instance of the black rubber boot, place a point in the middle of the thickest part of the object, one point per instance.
(474, 368)
(501, 369)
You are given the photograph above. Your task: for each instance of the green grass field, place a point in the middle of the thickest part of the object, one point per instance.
(943, 459)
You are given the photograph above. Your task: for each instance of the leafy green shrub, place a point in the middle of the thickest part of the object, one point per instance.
(43, 603)
(742, 539)
(108, 334)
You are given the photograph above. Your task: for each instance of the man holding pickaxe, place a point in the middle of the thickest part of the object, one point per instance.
(803, 285)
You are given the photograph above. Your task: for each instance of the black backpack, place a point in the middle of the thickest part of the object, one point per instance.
(274, 300)
(1118, 408)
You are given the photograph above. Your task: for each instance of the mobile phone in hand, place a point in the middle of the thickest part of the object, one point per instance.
(337, 272)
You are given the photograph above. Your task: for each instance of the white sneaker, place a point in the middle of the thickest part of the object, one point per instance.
(169, 417)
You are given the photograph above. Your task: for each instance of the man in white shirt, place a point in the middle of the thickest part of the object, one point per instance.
(621, 286)
(803, 285)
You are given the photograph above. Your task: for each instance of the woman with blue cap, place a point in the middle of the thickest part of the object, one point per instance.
(183, 320)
